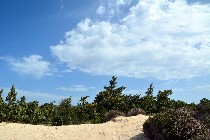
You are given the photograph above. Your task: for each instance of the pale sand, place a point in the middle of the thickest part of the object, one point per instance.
(120, 128)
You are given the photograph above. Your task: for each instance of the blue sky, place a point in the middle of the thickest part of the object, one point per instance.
(54, 49)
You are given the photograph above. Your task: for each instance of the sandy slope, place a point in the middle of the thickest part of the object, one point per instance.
(121, 128)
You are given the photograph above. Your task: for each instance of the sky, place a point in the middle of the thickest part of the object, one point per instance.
(54, 49)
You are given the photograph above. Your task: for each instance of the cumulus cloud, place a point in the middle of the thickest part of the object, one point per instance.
(159, 39)
(76, 88)
(33, 65)
(114, 9)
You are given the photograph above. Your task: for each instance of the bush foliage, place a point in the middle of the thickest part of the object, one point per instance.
(113, 114)
(175, 124)
(109, 103)
(136, 111)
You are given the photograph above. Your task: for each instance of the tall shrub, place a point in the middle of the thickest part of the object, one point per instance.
(2, 108)
(148, 102)
(110, 98)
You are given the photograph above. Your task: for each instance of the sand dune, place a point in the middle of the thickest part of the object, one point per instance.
(120, 128)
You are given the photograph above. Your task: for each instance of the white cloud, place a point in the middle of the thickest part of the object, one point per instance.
(158, 38)
(33, 65)
(115, 8)
(61, 7)
(61, 4)
(202, 88)
(1, 58)
(190, 95)
(100, 10)
(76, 88)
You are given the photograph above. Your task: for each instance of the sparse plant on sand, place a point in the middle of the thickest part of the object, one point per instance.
(136, 111)
(113, 114)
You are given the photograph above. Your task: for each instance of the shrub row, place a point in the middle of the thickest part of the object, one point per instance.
(170, 120)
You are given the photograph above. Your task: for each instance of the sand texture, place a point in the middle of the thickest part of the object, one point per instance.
(120, 128)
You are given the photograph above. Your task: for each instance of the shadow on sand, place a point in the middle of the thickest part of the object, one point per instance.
(139, 137)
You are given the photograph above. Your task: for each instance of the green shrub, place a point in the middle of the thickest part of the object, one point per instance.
(111, 98)
(64, 111)
(85, 114)
(104, 107)
(175, 124)
(163, 101)
(57, 121)
(2, 108)
(113, 114)
(203, 112)
(148, 102)
(136, 111)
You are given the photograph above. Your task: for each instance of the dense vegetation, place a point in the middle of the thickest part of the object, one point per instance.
(169, 116)
(176, 124)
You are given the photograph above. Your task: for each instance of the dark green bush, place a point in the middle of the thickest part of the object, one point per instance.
(2, 108)
(130, 102)
(175, 124)
(64, 111)
(163, 101)
(113, 114)
(85, 114)
(111, 98)
(136, 111)
(203, 112)
(48, 113)
(148, 102)
(57, 121)
(104, 107)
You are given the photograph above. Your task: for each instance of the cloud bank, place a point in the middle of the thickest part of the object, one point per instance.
(33, 65)
(158, 39)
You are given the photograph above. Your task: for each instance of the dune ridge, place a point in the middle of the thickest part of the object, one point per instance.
(120, 128)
